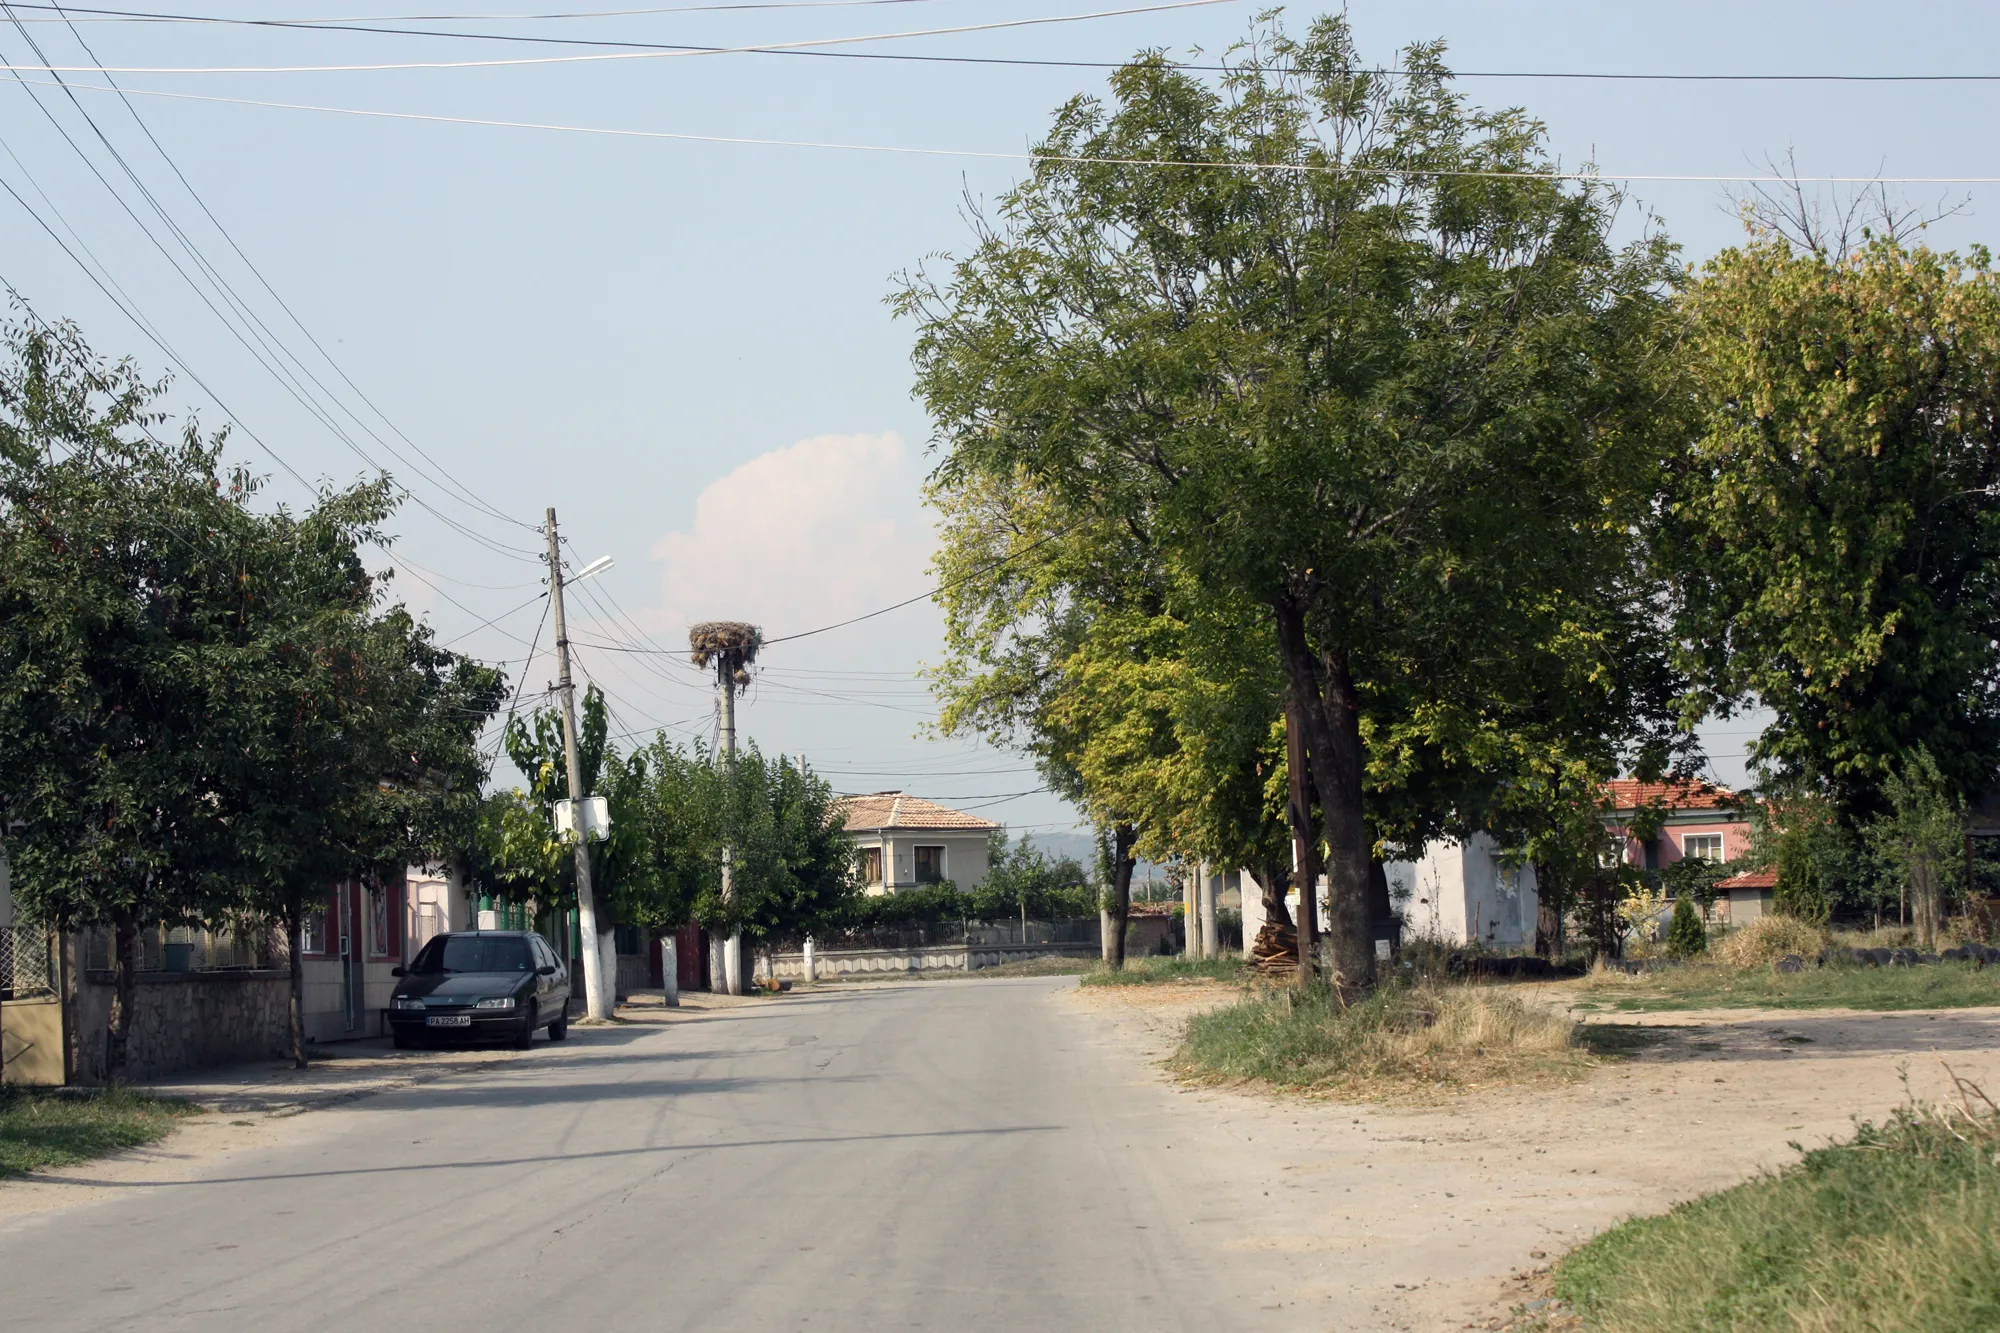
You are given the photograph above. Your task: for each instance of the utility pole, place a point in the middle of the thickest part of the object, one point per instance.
(730, 646)
(599, 995)
(732, 948)
(1211, 942)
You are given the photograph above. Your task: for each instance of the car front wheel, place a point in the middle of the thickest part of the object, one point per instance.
(559, 1025)
(526, 1036)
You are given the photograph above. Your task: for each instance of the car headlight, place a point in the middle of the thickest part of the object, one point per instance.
(504, 1003)
(408, 1002)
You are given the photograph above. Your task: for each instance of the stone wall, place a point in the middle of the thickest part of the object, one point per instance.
(830, 963)
(185, 1020)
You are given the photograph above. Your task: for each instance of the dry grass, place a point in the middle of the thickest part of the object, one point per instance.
(1402, 1042)
(1768, 939)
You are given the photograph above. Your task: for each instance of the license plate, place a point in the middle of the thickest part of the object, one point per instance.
(448, 1021)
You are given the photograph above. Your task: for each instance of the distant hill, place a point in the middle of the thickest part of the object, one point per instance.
(1077, 847)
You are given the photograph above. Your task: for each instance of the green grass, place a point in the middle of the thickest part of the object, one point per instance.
(1897, 1229)
(1151, 971)
(1710, 986)
(1401, 1040)
(44, 1127)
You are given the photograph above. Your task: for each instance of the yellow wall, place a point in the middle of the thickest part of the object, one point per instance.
(31, 1041)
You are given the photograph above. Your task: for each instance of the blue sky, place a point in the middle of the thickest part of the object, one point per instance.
(683, 346)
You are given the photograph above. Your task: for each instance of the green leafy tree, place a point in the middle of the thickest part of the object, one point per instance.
(1023, 880)
(112, 584)
(349, 741)
(1687, 937)
(1919, 843)
(1836, 541)
(1409, 414)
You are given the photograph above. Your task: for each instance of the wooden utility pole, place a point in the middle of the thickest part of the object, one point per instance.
(598, 990)
(1305, 846)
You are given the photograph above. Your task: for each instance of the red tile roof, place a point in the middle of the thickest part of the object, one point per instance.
(893, 809)
(1750, 879)
(1630, 794)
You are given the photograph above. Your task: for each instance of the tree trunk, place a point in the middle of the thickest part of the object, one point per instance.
(1305, 842)
(1272, 879)
(1548, 916)
(1122, 863)
(117, 1046)
(295, 928)
(1382, 924)
(1330, 708)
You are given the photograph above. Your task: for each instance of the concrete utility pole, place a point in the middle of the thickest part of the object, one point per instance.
(1211, 942)
(598, 990)
(730, 647)
(732, 948)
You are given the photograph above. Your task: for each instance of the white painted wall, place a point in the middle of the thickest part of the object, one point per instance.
(1459, 892)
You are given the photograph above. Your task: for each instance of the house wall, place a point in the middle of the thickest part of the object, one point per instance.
(1671, 846)
(964, 856)
(1464, 892)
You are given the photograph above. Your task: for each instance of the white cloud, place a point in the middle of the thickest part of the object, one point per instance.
(827, 528)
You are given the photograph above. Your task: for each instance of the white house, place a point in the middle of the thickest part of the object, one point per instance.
(1465, 892)
(1455, 893)
(905, 841)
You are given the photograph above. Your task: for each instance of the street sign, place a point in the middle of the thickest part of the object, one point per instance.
(596, 819)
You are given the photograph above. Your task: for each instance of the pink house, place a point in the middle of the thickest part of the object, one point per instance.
(1700, 819)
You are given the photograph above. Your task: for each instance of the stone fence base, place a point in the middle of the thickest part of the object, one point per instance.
(185, 1020)
(829, 964)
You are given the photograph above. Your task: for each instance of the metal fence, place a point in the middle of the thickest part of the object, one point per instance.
(27, 962)
(220, 948)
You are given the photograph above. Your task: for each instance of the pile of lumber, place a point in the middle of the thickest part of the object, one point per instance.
(1275, 951)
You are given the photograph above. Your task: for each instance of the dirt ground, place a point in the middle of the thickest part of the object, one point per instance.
(1430, 1217)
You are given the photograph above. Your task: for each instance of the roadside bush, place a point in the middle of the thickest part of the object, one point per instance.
(1400, 1040)
(1897, 1229)
(1769, 938)
(1686, 937)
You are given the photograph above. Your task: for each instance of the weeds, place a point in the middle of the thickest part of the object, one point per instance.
(1896, 1229)
(52, 1127)
(1835, 986)
(1151, 971)
(1398, 1041)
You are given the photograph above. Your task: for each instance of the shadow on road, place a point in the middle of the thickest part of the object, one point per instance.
(545, 1159)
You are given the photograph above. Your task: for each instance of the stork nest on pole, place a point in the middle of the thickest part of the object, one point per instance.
(730, 640)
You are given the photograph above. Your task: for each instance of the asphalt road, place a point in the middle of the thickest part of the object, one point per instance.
(947, 1156)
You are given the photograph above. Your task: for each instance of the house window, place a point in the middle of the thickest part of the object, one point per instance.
(1702, 846)
(312, 933)
(930, 865)
(871, 865)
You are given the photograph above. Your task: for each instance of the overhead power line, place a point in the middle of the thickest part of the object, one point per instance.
(602, 56)
(1083, 160)
(256, 336)
(141, 15)
(365, 23)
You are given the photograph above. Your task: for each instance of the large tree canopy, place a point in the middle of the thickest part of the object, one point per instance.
(1838, 523)
(1335, 346)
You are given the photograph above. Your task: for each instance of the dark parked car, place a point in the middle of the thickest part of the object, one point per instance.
(494, 983)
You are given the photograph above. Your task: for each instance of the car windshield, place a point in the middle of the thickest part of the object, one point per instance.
(473, 953)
